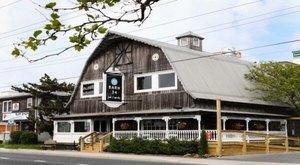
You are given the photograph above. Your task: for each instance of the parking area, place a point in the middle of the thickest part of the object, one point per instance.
(289, 157)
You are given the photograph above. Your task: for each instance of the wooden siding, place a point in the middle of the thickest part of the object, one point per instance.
(142, 63)
(22, 104)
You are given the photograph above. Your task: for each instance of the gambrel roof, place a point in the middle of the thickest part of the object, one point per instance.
(203, 75)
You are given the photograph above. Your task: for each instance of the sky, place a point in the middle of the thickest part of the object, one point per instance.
(238, 24)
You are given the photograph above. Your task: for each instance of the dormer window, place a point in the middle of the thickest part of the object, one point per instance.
(183, 41)
(196, 42)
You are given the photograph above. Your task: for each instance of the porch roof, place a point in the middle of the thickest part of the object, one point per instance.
(163, 111)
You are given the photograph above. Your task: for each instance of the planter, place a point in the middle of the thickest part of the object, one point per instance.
(124, 126)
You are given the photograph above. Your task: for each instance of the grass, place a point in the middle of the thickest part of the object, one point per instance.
(21, 146)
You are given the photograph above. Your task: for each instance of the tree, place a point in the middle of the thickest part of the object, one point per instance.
(100, 15)
(277, 82)
(53, 97)
(203, 144)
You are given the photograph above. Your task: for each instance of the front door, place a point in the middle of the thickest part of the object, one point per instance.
(97, 125)
(103, 126)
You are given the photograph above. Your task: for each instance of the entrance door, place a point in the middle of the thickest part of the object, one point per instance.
(103, 126)
(97, 125)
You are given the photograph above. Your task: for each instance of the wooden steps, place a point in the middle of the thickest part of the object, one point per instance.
(98, 143)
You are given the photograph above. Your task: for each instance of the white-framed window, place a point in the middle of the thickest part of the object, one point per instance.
(82, 126)
(183, 41)
(92, 88)
(7, 106)
(63, 126)
(196, 42)
(155, 81)
(29, 102)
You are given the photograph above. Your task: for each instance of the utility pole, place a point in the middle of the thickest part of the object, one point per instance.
(219, 127)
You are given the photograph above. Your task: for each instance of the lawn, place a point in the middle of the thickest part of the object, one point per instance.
(21, 146)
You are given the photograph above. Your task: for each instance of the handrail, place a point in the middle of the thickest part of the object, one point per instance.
(90, 134)
(106, 135)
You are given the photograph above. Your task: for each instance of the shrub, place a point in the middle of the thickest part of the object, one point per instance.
(142, 146)
(15, 137)
(28, 137)
(203, 144)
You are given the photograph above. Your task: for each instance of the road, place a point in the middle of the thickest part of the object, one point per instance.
(28, 159)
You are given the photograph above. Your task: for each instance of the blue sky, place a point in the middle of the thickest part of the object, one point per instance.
(278, 26)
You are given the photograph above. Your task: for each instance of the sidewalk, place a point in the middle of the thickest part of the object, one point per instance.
(132, 157)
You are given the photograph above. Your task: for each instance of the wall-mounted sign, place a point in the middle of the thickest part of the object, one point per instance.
(15, 106)
(15, 116)
(114, 87)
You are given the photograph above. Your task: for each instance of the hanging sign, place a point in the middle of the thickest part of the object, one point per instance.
(114, 87)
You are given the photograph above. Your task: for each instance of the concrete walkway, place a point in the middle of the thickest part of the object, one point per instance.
(148, 158)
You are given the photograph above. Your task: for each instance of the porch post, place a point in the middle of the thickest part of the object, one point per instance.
(285, 127)
(167, 118)
(113, 126)
(267, 125)
(138, 119)
(247, 123)
(224, 119)
(198, 118)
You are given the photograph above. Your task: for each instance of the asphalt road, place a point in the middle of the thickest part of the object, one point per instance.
(28, 159)
(290, 157)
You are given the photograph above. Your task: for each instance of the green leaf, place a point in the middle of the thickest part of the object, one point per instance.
(50, 5)
(54, 16)
(15, 52)
(74, 39)
(53, 38)
(102, 29)
(36, 33)
(90, 16)
(78, 47)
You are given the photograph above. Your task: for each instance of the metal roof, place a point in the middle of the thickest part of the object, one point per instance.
(202, 75)
(12, 94)
(189, 34)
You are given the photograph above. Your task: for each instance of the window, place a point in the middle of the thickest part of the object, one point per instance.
(183, 41)
(63, 127)
(92, 88)
(196, 41)
(81, 126)
(166, 80)
(144, 82)
(156, 81)
(155, 124)
(7, 106)
(88, 89)
(100, 87)
(29, 102)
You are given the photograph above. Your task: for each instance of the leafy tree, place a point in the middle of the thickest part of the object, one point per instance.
(277, 82)
(53, 97)
(100, 15)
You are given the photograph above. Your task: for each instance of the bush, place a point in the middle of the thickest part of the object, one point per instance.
(203, 144)
(142, 146)
(15, 137)
(28, 137)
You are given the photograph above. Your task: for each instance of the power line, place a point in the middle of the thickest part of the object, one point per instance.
(240, 50)
(14, 34)
(9, 4)
(191, 17)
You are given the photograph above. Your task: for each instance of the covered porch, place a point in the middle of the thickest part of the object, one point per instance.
(189, 127)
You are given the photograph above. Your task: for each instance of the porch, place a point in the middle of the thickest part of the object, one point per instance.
(189, 127)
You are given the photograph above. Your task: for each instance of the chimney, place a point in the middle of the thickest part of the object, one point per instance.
(190, 40)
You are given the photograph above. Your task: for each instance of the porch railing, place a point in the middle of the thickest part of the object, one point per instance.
(163, 134)
(189, 135)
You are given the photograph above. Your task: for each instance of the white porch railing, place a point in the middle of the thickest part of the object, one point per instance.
(188, 135)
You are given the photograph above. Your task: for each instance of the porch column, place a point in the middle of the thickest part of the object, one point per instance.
(224, 119)
(267, 125)
(198, 118)
(138, 119)
(113, 126)
(167, 118)
(285, 127)
(247, 123)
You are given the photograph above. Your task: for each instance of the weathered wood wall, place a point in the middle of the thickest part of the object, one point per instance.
(142, 63)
